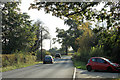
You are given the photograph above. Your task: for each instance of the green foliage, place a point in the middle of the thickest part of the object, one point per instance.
(17, 32)
(53, 51)
(47, 53)
(17, 58)
(17, 66)
(44, 52)
(45, 34)
(68, 37)
(105, 41)
(87, 39)
(82, 11)
(72, 10)
(108, 46)
(82, 55)
(79, 64)
(110, 40)
(97, 51)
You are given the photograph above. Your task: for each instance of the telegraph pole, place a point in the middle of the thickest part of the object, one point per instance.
(50, 43)
(41, 45)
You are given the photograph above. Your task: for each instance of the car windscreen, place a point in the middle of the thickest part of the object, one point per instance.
(107, 60)
(57, 54)
(47, 57)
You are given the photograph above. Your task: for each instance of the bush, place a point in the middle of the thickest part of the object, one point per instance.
(8, 60)
(79, 64)
(47, 53)
(82, 55)
(30, 59)
(44, 52)
(17, 58)
(85, 54)
(97, 51)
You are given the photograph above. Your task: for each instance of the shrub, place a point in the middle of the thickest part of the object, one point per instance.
(47, 53)
(82, 55)
(97, 51)
(8, 60)
(44, 52)
(85, 54)
(17, 58)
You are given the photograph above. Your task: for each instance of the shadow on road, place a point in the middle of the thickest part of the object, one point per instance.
(86, 72)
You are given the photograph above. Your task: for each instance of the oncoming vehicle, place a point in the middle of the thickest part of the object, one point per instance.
(57, 55)
(100, 63)
(48, 59)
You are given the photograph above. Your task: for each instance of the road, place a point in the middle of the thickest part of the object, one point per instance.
(98, 74)
(62, 68)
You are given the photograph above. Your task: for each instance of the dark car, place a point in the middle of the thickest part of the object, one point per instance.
(100, 63)
(57, 55)
(48, 59)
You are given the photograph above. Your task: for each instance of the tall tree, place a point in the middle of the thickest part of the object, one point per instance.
(17, 32)
(74, 10)
(42, 33)
(87, 39)
(82, 11)
(68, 37)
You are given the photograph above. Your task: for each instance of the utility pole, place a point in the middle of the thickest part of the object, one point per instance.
(50, 43)
(41, 45)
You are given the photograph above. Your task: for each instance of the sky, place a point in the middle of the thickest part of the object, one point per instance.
(48, 20)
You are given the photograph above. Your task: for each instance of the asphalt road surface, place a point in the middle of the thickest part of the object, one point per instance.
(96, 74)
(61, 68)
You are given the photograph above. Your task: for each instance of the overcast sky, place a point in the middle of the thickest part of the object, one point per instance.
(50, 21)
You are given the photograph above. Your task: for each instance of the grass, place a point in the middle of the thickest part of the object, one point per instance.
(79, 64)
(17, 66)
(70, 54)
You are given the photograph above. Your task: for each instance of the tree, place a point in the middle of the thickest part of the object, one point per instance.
(42, 33)
(53, 51)
(109, 40)
(17, 32)
(82, 11)
(76, 14)
(68, 37)
(45, 34)
(79, 13)
(87, 39)
(65, 9)
(108, 37)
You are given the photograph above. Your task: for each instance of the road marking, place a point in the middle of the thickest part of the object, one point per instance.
(74, 74)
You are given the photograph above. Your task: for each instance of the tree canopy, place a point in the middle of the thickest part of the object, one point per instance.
(18, 32)
(77, 15)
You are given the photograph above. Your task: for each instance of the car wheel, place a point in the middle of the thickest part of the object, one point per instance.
(44, 63)
(109, 69)
(96, 70)
(51, 62)
(89, 68)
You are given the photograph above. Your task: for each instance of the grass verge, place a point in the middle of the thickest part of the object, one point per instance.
(17, 66)
(79, 64)
(70, 54)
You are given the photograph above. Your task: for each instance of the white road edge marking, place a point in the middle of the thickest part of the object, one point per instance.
(74, 74)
